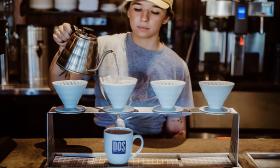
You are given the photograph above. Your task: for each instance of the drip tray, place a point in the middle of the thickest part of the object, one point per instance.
(264, 160)
(146, 160)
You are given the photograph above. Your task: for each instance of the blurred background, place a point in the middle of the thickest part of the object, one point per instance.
(218, 39)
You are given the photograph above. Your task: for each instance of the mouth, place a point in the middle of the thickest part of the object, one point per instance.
(143, 28)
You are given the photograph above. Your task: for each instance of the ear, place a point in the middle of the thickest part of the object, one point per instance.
(165, 20)
(128, 13)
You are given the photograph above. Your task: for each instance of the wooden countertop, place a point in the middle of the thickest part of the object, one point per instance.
(30, 152)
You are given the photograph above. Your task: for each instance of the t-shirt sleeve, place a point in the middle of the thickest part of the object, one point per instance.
(186, 97)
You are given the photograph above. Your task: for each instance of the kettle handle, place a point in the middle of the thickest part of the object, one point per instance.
(85, 30)
(74, 28)
(102, 58)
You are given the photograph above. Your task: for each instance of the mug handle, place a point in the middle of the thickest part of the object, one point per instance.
(141, 146)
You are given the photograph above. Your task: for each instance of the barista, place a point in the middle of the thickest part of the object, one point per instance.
(142, 55)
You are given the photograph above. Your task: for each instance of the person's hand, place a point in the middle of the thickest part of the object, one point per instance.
(62, 34)
(176, 127)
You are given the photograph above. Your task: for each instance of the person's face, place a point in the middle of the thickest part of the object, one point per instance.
(146, 19)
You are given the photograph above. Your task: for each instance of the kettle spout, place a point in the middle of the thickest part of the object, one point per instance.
(101, 60)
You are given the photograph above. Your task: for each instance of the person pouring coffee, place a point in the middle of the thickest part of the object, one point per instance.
(142, 55)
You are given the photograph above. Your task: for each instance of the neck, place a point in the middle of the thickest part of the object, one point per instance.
(152, 43)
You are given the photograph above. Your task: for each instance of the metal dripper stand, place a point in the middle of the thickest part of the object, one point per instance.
(228, 159)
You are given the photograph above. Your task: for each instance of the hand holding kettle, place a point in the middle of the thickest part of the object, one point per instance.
(62, 34)
(78, 49)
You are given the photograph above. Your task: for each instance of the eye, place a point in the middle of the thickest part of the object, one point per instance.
(155, 12)
(137, 9)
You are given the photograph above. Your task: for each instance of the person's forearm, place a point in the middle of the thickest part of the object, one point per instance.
(55, 71)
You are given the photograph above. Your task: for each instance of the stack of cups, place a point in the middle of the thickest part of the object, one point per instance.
(88, 5)
(41, 4)
(65, 5)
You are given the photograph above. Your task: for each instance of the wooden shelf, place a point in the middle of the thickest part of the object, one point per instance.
(54, 17)
(66, 13)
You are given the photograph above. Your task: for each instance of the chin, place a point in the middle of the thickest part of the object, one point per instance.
(143, 34)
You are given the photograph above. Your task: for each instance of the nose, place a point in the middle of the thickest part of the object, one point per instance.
(144, 16)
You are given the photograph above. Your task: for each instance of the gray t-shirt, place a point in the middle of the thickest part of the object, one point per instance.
(146, 66)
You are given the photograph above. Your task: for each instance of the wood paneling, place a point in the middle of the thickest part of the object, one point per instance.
(187, 14)
(186, 11)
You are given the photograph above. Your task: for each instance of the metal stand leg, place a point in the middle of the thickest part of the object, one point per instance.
(50, 139)
(234, 143)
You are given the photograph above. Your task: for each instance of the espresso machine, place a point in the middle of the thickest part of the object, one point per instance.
(228, 45)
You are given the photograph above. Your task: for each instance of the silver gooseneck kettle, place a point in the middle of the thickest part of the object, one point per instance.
(80, 52)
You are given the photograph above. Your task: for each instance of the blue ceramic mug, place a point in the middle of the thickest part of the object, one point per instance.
(118, 142)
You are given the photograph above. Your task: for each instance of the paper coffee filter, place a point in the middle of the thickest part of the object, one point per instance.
(216, 83)
(70, 83)
(167, 82)
(118, 80)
